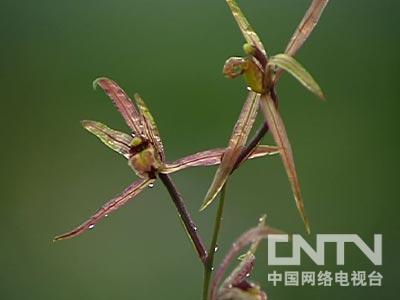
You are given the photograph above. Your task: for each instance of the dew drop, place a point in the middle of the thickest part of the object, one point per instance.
(195, 228)
(91, 226)
(212, 268)
(216, 249)
(151, 185)
(106, 215)
(248, 275)
(248, 88)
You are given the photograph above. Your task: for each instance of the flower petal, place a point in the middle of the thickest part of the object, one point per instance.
(236, 144)
(116, 140)
(279, 134)
(303, 31)
(123, 103)
(291, 65)
(150, 126)
(213, 157)
(128, 194)
(249, 34)
(306, 26)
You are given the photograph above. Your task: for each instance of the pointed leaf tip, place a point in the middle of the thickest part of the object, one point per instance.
(85, 123)
(96, 82)
(292, 66)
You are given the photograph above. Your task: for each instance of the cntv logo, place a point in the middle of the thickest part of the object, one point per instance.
(317, 255)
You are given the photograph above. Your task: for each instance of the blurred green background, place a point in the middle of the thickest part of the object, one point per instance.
(54, 174)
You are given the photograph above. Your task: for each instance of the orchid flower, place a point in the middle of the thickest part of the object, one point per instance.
(262, 74)
(143, 149)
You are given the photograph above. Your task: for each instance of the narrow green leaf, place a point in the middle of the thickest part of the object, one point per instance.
(278, 131)
(292, 66)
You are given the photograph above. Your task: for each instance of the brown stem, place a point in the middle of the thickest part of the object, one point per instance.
(185, 216)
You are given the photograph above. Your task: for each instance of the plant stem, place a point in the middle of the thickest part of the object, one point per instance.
(185, 217)
(208, 266)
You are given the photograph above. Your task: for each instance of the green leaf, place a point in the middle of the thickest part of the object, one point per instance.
(292, 66)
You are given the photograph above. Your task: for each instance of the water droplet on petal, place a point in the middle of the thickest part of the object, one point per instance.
(216, 249)
(151, 185)
(248, 88)
(106, 215)
(248, 275)
(212, 268)
(91, 226)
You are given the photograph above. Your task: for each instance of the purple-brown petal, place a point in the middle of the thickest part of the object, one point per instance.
(123, 103)
(128, 194)
(236, 144)
(279, 134)
(304, 29)
(213, 157)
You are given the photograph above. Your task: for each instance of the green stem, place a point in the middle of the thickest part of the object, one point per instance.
(208, 265)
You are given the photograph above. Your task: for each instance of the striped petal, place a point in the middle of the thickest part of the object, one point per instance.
(279, 134)
(116, 140)
(236, 145)
(128, 194)
(123, 103)
(303, 31)
(213, 157)
(249, 34)
(150, 126)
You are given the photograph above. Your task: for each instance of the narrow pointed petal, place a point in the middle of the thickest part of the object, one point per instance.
(278, 132)
(128, 194)
(213, 157)
(116, 140)
(292, 66)
(150, 126)
(249, 34)
(236, 144)
(123, 103)
(306, 26)
(205, 158)
(303, 31)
